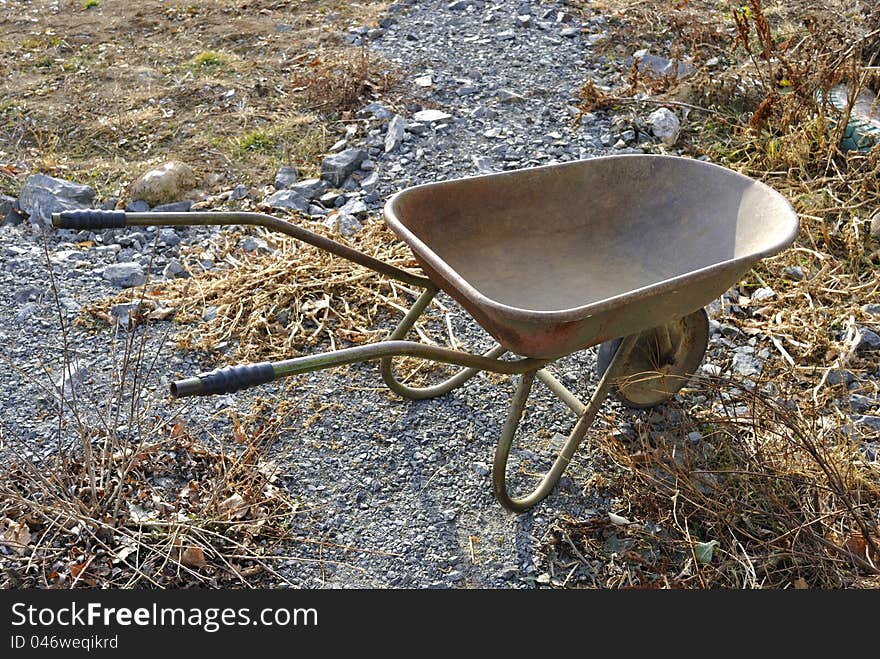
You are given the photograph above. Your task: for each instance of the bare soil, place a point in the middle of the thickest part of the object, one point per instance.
(97, 91)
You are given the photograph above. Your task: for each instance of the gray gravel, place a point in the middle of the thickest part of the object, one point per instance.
(493, 86)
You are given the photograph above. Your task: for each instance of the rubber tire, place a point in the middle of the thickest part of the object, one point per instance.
(699, 324)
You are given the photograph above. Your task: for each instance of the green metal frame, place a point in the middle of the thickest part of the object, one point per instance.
(239, 377)
(586, 413)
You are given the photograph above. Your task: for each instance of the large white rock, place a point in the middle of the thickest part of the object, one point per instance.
(170, 181)
(665, 125)
(431, 116)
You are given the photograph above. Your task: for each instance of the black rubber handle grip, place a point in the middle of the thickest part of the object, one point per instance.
(224, 380)
(90, 220)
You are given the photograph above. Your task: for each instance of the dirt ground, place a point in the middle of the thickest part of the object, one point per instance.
(96, 90)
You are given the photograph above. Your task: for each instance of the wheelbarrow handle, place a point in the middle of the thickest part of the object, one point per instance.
(224, 380)
(89, 219)
(95, 220)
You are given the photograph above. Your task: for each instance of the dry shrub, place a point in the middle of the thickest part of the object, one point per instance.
(274, 305)
(340, 83)
(123, 493)
(128, 496)
(771, 496)
(781, 481)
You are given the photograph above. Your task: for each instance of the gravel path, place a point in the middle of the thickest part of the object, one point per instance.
(408, 482)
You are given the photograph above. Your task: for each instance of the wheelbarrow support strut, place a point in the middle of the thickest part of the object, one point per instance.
(234, 378)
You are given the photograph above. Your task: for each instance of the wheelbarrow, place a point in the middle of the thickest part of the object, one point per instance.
(622, 251)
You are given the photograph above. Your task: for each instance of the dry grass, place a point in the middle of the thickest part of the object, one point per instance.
(771, 496)
(782, 490)
(274, 305)
(99, 95)
(130, 495)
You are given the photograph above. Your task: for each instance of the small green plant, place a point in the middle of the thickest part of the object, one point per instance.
(43, 62)
(258, 140)
(210, 59)
(88, 4)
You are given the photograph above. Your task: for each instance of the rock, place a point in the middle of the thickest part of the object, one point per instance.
(793, 273)
(347, 225)
(285, 177)
(484, 164)
(238, 192)
(339, 166)
(569, 32)
(126, 314)
(416, 128)
(174, 207)
(869, 340)
(837, 376)
(5, 204)
(14, 216)
(861, 403)
(694, 436)
(457, 5)
(169, 237)
(28, 293)
(507, 96)
(174, 270)
(253, 244)
(137, 206)
(508, 572)
(745, 363)
(287, 199)
(655, 66)
(74, 376)
(505, 35)
(730, 331)
(27, 312)
(368, 165)
(43, 195)
(875, 225)
(394, 134)
(167, 183)
(378, 111)
(370, 182)
(328, 199)
(354, 207)
(125, 275)
(763, 293)
(524, 20)
(424, 81)
(665, 125)
(57, 187)
(309, 188)
(868, 422)
(481, 468)
(595, 39)
(431, 116)
(872, 309)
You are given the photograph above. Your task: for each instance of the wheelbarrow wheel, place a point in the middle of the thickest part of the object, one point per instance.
(658, 367)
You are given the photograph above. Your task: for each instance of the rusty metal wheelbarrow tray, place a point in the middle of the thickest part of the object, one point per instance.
(549, 260)
(555, 259)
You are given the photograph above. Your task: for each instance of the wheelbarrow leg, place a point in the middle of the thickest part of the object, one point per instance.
(420, 393)
(514, 416)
